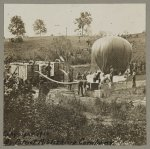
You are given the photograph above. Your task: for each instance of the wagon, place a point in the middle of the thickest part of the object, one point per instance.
(26, 71)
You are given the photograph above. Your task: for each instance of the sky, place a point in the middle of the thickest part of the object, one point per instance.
(112, 18)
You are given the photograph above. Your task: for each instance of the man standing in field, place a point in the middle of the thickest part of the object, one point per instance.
(44, 88)
(84, 82)
(131, 68)
(70, 77)
(111, 74)
(80, 84)
(48, 70)
(134, 79)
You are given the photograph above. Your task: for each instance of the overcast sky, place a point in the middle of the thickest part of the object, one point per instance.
(114, 18)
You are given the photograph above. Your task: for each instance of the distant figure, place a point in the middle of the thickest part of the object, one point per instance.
(84, 82)
(70, 77)
(102, 78)
(131, 68)
(134, 67)
(21, 84)
(80, 84)
(33, 80)
(105, 78)
(88, 42)
(48, 70)
(111, 74)
(44, 88)
(95, 75)
(134, 79)
(127, 73)
(27, 86)
(98, 77)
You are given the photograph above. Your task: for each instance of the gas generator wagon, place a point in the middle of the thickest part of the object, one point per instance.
(27, 71)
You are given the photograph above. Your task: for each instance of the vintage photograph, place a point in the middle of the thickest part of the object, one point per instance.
(74, 74)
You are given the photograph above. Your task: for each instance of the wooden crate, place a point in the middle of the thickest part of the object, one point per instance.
(24, 70)
(93, 86)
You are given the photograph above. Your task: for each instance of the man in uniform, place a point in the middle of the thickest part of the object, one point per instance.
(111, 74)
(48, 70)
(134, 79)
(84, 77)
(70, 77)
(131, 67)
(80, 84)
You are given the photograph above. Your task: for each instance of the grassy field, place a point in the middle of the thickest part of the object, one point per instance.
(66, 118)
(41, 46)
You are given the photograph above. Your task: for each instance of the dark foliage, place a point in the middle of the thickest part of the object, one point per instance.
(29, 121)
(17, 27)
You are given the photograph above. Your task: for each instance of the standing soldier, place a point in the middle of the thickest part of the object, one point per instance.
(48, 70)
(135, 67)
(98, 77)
(111, 74)
(94, 77)
(44, 88)
(32, 80)
(80, 84)
(131, 67)
(48, 73)
(134, 79)
(70, 77)
(84, 82)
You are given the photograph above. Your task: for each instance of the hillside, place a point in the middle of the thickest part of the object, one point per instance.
(42, 48)
(139, 47)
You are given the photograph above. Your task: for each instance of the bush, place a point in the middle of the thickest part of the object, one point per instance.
(12, 39)
(31, 120)
(19, 39)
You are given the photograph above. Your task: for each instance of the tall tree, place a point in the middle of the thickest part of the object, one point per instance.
(39, 27)
(83, 21)
(17, 27)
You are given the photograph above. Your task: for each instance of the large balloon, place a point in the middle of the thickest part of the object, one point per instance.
(112, 51)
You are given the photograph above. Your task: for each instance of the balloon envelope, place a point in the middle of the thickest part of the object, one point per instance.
(112, 51)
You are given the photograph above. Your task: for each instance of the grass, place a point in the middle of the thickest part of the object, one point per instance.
(115, 120)
(66, 123)
(37, 45)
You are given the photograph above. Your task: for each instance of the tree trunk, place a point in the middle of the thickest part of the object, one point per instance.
(82, 30)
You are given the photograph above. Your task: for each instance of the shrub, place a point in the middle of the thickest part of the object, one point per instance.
(19, 39)
(28, 119)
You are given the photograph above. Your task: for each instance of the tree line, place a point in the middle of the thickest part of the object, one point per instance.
(17, 26)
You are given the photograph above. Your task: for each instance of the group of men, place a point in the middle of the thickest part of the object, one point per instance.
(137, 66)
(100, 78)
(82, 79)
(82, 83)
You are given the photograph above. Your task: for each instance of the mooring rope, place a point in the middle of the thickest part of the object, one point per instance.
(64, 72)
(64, 83)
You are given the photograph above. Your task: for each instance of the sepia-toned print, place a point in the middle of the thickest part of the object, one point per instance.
(74, 74)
